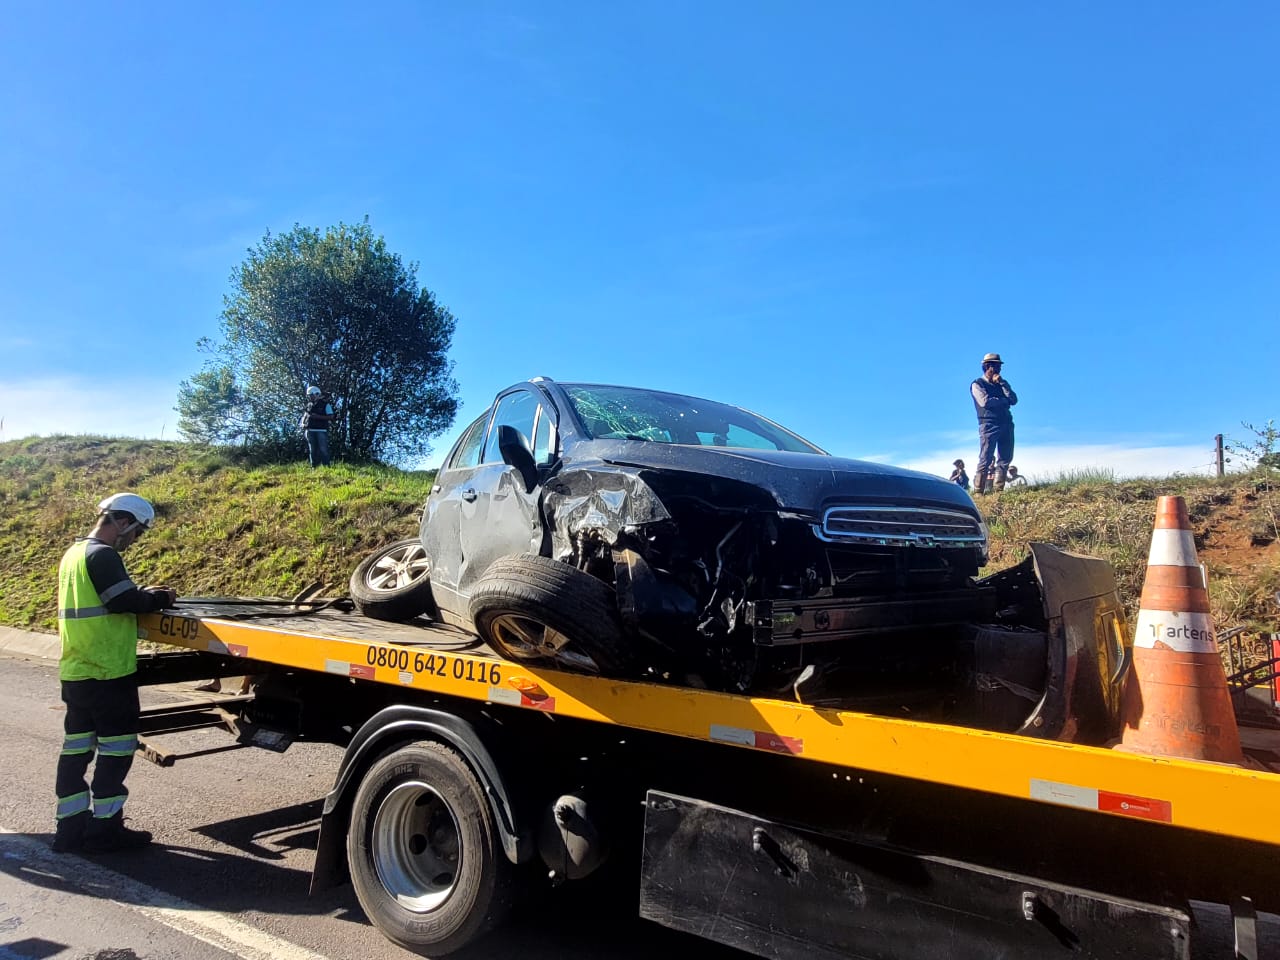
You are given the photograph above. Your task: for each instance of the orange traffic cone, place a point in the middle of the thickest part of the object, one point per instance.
(1176, 701)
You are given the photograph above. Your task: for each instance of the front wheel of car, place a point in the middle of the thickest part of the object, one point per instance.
(394, 583)
(536, 610)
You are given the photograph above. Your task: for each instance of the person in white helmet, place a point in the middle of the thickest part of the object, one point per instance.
(316, 424)
(98, 605)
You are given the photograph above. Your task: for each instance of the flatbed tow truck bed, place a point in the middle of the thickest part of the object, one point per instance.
(1047, 819)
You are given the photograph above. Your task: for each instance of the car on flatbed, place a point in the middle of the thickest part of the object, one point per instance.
(645, 534)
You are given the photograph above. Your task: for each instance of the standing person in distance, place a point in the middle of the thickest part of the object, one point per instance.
(97, 620)
(315, 421)
(958, 476)
(992, 398)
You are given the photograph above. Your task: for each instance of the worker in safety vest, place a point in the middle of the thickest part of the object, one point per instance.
(97, 607)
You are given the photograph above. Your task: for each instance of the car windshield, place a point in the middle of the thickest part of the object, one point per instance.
(625, 413)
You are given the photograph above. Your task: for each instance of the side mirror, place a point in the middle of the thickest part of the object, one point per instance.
(515, 453)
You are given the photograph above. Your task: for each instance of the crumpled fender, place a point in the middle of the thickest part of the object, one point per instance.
(602, 503)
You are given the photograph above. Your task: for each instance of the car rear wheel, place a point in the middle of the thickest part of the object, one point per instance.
(537, 610)
(394, 583)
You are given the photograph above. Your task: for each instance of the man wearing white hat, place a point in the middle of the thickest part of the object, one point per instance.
(315, 422)
(992, 398)
(98, 605)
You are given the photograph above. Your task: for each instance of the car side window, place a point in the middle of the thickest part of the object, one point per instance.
(519, 410)
(467, 453)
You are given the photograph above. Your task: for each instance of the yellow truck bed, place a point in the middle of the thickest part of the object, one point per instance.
(428, 658)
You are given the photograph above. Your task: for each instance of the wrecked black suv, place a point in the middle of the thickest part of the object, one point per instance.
(636, 533)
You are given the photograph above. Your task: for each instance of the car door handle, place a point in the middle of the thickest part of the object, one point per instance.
(469, 494)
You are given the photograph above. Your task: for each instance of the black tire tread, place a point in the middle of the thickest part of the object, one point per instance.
(388, 919)
(561, 597)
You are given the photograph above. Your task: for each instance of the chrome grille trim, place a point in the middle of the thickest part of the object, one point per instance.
(899, 527)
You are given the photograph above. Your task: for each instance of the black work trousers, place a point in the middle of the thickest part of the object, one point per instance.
(102, 719)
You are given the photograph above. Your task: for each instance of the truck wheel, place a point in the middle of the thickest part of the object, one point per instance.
(424, 851)
(394, 583)
(537, 610)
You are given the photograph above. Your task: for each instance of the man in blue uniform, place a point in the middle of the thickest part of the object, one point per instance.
(992, 398)
(97, 608)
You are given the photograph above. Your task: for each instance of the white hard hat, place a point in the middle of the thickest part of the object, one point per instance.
(313, 391)
(129, 503)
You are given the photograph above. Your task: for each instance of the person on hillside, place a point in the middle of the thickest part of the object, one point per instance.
(958, 476)
(97, 621)
(315, 421)
(1015, 477)
(992, 398)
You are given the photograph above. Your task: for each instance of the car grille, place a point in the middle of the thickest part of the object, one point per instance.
(899, 527)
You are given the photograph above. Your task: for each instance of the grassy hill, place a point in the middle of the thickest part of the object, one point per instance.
(223, 527)
(227, 527)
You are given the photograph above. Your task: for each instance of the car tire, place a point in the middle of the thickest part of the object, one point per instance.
(425, 853)
(394, 583)
(537, 610)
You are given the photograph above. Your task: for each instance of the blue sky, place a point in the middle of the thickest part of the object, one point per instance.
(824, 212)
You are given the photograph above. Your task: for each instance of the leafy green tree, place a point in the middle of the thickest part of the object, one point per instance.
(339, 311)
(211, 406)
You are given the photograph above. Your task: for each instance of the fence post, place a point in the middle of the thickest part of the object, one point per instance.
(1217, 443)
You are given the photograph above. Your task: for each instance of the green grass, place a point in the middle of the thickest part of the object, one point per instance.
(223, 528)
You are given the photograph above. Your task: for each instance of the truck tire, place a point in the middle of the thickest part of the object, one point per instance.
(424, 851)
(394, 583)
(534, 609)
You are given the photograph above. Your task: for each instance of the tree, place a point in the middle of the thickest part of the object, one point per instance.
(340, 311)
(1261, 451)
(211, 406)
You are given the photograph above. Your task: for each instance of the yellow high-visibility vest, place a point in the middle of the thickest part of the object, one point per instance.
(96, 645)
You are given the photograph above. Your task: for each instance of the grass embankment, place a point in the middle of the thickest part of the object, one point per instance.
(223, 528)
(228, 528)
(1234, 520)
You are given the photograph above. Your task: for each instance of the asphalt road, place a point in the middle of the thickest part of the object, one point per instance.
(228, 874)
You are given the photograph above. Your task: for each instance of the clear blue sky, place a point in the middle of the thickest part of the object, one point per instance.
(824, 212)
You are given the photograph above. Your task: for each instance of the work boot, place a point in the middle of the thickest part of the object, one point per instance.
(1001, 476)
(109, 834)
(69, 835)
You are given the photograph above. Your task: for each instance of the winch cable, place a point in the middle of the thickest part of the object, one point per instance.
(297, 608)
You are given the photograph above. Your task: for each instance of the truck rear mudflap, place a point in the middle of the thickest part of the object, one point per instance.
(784, 892)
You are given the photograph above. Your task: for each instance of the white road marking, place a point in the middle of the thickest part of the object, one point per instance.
(208, 926)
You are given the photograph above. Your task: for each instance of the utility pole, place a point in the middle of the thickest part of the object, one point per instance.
(1217, 442)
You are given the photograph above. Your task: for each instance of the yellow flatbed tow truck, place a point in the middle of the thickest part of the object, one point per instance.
(777, 827)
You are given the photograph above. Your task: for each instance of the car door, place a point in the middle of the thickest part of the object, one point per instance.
(506, 519)
(452, 495)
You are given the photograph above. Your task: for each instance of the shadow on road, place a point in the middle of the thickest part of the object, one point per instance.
(296, 827)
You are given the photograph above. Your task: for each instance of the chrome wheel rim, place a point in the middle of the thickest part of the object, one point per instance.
(522, 638)
(398, 568)
(416, 847)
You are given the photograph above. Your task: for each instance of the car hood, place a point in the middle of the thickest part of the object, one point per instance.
(803, 482)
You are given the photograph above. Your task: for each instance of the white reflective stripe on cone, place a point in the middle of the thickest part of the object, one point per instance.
(1173, 548)
(1184, 632)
